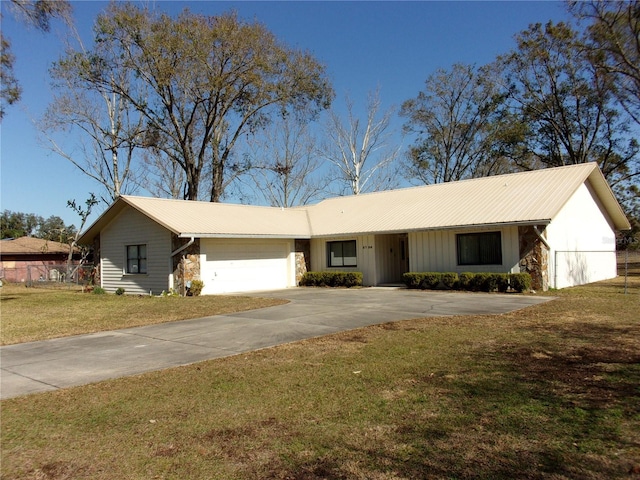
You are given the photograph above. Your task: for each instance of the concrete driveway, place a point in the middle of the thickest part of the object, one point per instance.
(64, 362)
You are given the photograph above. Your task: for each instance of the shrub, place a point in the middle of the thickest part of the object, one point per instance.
(502, 281)
(331, 279)
(196, 288)
(98, 291)
(449, 280)
(411, 279)
(520, 282)
(429, 280)
(477, 282)
(120, 291)
(465, 280)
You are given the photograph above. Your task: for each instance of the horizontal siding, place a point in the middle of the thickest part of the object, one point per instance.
(133, 228)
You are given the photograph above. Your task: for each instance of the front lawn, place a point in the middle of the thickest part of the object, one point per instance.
(551, 391)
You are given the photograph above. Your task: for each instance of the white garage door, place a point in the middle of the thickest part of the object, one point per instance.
(244, 265)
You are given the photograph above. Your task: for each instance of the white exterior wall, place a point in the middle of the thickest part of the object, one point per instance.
(582, 241)
(243, 265)
(435, 251)
(132, 228)
(365, 254)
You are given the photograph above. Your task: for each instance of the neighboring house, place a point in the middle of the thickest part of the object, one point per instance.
(27, 259)
(557, 224)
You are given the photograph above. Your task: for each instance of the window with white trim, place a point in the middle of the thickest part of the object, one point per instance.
(136, 259)
(483, 248)
(341, 254)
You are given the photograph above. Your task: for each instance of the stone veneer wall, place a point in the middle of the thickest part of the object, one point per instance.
(186, 264)
(303, 256)
(534, 258)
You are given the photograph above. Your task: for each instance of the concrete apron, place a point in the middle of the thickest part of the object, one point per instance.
(79, 360)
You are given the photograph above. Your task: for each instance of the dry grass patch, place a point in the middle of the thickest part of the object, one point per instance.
(29, 314)
(549, 392)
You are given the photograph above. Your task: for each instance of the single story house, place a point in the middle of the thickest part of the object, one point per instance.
(558, 224)
(30, 259)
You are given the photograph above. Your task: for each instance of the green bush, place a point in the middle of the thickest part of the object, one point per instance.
(98, 291)
(520, 282)
(120, 291)
(449, 280)
(430, 280)
(196, 288)
(411, 279)
(465, 280)
(501, 281)
(477, 282)
(331, 279)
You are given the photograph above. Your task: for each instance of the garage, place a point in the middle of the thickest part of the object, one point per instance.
(246, 265)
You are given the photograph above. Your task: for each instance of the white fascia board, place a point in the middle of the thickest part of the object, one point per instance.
(428, 229)
(235, 235)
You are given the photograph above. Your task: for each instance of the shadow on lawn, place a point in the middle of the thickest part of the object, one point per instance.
(564, 407)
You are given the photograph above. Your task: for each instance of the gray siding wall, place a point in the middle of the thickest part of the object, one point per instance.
(132, 228)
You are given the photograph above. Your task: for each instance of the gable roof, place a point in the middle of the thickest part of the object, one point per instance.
(533, 197)
(525, 198)
(31, 246)
(206, 219)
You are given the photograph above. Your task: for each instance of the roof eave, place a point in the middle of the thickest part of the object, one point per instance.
(523, 223)
(244, 235)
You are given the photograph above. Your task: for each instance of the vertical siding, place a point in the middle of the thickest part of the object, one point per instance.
(130, 227)
(582, 240)
(365, 251)
(435, 251)
(389, 263)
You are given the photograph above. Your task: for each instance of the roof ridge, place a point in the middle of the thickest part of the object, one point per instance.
(132, 198)
(465, 180)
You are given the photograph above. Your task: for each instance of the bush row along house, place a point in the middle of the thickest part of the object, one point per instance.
(557, 224)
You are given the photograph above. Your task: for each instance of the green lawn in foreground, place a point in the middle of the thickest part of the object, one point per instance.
(30, 314)
(552, 391)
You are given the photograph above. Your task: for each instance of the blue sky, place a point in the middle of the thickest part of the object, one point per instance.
(365, 45)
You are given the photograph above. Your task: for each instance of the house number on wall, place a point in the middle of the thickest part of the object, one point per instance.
(367, 247)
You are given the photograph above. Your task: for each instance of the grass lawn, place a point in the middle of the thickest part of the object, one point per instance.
(30, 314)
(551, 391)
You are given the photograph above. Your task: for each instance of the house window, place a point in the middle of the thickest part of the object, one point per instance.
(479, 248)
(136, 259)
(342, 254)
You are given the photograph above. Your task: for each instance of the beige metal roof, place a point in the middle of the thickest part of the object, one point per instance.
(521, 198)
(206, 219)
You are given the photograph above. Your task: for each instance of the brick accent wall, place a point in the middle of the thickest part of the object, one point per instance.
(534, 258)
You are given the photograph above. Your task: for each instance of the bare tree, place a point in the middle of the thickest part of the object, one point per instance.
(209, 80)
(567, 105)
(108, 130)
(285, 165)
(162, 178)
(614, 41)
(361, 153)
(456, 122)
(84, 214)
